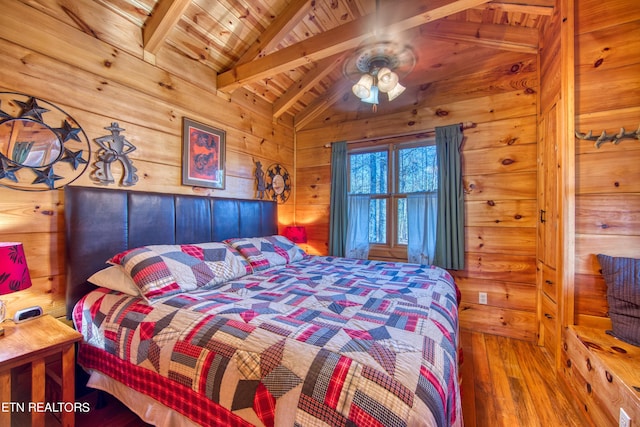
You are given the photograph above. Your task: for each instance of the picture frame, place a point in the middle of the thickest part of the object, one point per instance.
(203, 155)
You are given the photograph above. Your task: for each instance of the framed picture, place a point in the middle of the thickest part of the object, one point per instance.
(203, 150)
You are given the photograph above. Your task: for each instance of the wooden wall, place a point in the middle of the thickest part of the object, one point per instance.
(500, 167)
(499, 157)
(89, 62)
(608, 178)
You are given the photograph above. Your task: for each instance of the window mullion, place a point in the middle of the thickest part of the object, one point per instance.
(393, 209)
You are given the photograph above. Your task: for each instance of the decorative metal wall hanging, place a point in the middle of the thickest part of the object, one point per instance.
(41, 147)
(278, 183)
(615, 139)
(261, 185)
(114, 148)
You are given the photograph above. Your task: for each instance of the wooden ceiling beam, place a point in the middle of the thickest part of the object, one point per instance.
(530, 3)
(321, 103)
(164, 17)
(284, 23)
(530, 9)
(393, 18)
(308, 81)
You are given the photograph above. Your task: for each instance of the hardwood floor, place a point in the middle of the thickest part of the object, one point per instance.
(111, 413)
(510, 383)
(505, 383)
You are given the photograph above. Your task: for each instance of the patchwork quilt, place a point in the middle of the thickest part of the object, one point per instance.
(321, 341)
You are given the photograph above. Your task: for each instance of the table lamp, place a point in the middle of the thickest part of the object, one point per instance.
(14, 273)
(297, 234)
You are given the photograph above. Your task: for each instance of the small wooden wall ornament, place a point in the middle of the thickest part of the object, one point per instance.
(114, 148)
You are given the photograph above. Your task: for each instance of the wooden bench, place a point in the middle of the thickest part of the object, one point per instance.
(603, 373)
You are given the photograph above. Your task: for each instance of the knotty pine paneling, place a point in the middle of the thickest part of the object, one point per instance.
(483, 188)
(516, 158)
(498, 266)
(88, 16)
(519, 324)
(549, 63)
(607, 190)
(90, 69)
(618, 47)
(619, 177)
(516, 240)
(590, 301)
(595, 15)
(620, 85)
(499, 178)
(514, 296)
(515, 70)
(501, 133)
(508, 104)
(601, 214)
(501, 213)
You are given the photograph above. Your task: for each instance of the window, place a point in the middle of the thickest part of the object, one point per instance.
(387, 174)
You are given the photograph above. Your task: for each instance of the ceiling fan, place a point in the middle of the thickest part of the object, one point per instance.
(377, 66)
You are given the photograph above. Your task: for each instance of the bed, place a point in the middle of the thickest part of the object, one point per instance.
(223, 322)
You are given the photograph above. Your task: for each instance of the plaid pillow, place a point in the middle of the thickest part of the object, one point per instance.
(266, 252)
(622, 277)
(163, 270)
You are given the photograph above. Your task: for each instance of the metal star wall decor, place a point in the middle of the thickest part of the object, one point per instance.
(41, 147)
(278, 183)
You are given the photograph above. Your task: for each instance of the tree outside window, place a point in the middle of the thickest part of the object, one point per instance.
(387, 174)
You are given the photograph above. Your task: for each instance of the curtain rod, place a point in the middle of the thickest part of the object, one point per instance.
(424, 132)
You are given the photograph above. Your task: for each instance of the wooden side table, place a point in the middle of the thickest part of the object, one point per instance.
(32, 342)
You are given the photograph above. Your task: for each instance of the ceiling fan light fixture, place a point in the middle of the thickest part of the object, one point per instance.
(378, 67)
(362, 89)
(387, 79)
(373, 96)
(395, 92)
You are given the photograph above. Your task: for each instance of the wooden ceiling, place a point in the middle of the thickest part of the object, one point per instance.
(292, 52)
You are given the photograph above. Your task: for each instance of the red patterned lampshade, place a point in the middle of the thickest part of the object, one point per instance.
(14, 273)
(297, 234)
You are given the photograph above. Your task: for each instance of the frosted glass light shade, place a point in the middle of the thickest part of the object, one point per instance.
(373, 97)
(395, 92)
(387, 79)
(362, 89)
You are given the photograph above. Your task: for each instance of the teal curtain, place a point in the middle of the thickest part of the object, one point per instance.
(339, 203)
(450, 229)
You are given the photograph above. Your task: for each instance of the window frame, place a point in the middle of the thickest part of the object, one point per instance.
(392, 248)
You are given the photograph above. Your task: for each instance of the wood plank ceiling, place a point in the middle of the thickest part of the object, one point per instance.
(292, 53)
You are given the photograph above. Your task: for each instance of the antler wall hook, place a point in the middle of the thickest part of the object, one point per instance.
(615, 139)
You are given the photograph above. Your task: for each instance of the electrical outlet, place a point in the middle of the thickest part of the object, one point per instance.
(482, 297)
(624, 421)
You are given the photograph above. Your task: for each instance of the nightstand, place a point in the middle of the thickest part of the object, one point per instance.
(32, 342)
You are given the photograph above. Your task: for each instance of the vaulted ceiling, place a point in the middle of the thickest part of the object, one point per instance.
(292, 53)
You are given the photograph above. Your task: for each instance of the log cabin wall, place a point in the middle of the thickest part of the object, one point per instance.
(89, 61)
(499, 162)
(608, 178)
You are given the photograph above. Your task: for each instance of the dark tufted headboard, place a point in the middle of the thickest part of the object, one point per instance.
(100, 223)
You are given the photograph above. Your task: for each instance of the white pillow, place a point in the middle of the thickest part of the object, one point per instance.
(115, 278)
